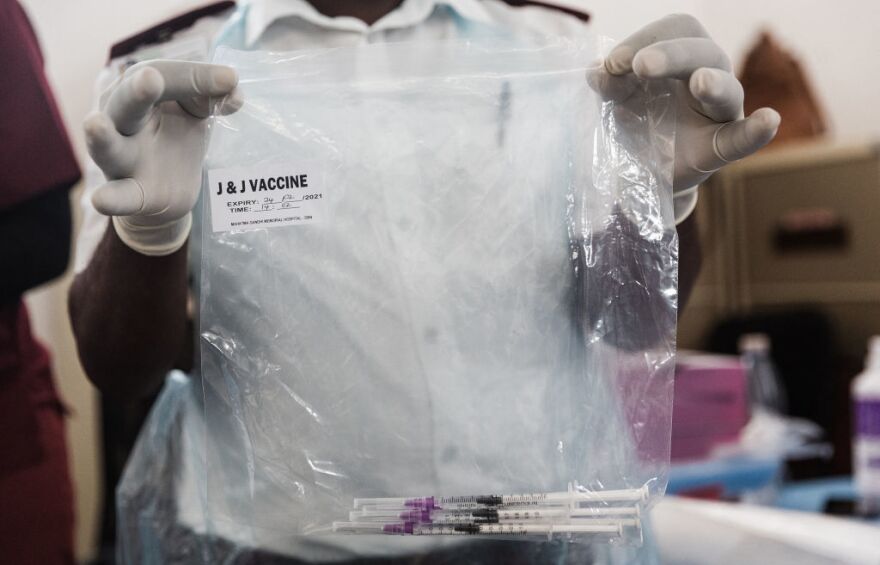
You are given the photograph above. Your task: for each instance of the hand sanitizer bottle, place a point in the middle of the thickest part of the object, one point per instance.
(866, 437)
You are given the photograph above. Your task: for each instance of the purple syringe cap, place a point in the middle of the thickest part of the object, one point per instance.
(404, 528)
(426, 503)
(423, 516)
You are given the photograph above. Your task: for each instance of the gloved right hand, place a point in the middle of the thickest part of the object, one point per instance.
(711, 131)
(149, 139)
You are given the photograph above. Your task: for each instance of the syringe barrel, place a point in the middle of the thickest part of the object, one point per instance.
(619, 495)
(612, 528)
(359, 527)
(390, 515)
(426, 502)
(589, 511)
(572, 498)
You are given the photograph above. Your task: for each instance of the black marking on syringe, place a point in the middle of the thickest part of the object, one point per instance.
(490, 500)
(485, 515)
(468, 528)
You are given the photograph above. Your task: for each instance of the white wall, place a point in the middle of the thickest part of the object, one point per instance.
(836, 41)
(76, 37)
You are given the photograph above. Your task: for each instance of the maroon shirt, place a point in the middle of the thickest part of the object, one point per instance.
(36, 154)
(36, 499)
(35, 157)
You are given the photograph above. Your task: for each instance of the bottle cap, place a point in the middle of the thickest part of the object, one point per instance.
(873, 360)
(756, 342)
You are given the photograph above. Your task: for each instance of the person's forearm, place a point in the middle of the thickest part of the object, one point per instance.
(36, 243)
(128, 313)
(690, 259)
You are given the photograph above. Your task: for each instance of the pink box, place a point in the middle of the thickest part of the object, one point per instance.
(710, 404)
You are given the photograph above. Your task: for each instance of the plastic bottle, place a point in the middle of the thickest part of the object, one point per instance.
(866, 423)
(765, 388)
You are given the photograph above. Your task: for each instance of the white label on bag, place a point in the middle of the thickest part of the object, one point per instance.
(267, 196)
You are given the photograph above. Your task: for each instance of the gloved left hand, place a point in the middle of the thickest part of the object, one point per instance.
(710, 129)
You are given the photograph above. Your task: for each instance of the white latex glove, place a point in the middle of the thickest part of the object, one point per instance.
(710, 129)
(149, 138)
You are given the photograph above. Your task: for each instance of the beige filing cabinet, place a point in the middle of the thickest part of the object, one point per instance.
(798, 225)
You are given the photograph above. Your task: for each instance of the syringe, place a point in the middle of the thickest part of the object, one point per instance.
(494, 515)
(410, 528)
(570, 497)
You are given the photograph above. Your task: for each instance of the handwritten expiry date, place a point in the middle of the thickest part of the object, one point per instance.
(270, 204)
(264, 184)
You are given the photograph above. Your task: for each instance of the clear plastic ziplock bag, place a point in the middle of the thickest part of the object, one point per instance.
(436, 276)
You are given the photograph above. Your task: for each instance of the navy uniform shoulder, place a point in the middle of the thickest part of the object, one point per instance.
(583, 16)
(163, 31)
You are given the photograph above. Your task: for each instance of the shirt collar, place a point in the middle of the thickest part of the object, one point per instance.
(262, 13)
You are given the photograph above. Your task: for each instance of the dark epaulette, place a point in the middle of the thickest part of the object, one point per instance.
(163, 31)
(582, 16)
